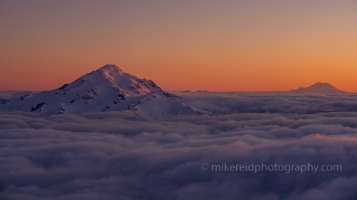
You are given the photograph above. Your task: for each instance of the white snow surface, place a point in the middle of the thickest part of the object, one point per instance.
(105, 89)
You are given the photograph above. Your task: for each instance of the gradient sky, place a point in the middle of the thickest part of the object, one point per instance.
(254, 45)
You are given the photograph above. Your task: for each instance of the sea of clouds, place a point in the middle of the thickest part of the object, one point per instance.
(109, 155)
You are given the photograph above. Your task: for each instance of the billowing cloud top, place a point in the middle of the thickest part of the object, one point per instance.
(109, 155)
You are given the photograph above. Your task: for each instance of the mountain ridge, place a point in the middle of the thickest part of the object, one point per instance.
(319, 88)
(108, 88)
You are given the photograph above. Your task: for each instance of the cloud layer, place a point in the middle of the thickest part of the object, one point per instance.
(111, 156)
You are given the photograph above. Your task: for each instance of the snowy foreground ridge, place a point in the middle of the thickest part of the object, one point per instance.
(105, 89)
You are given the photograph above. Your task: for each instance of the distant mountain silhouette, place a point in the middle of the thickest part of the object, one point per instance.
(319, 88)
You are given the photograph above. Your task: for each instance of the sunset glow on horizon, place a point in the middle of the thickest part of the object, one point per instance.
(181, 45)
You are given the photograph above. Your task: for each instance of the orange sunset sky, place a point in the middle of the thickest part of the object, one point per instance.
(254, 45)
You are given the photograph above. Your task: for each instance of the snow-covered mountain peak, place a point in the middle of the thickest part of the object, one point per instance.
(105, 89)
(111, 77)
(110, 69)
(319, 88)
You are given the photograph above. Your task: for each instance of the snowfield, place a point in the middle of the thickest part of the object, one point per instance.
(106, 89)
